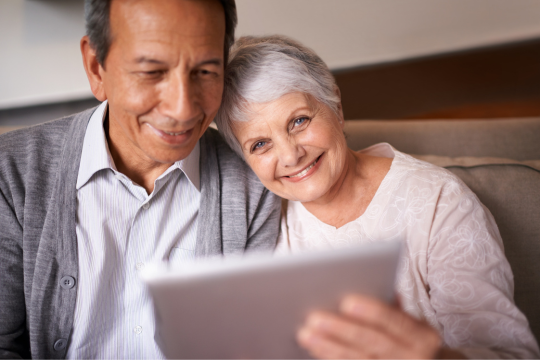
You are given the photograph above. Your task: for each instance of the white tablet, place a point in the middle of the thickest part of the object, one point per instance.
(251, 308)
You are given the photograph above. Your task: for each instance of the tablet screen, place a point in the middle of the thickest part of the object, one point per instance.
(252, 307)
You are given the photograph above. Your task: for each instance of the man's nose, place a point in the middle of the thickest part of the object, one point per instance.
(180, 99)
(290, 153)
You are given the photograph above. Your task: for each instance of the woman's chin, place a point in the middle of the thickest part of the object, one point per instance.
(302, 196)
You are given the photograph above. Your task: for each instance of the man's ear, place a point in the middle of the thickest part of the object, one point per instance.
(93, 69)
(340, 108)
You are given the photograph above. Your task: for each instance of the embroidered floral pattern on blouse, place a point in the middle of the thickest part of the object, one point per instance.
(454, 273)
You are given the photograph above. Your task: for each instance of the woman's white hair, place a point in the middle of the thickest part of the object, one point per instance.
(263, 69)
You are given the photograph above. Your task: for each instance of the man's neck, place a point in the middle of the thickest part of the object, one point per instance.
(131, 161)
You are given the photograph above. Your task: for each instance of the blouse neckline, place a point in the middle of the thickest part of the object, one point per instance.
(379, 149)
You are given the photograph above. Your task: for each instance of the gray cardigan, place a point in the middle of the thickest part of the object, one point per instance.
(38, 244)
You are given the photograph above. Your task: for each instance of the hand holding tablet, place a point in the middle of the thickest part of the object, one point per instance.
(253, 307)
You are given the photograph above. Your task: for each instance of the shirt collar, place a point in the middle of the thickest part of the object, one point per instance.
(95, 152)
(96, 156)
(190, 166)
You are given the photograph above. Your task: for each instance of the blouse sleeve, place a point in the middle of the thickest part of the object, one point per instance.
(471, 282)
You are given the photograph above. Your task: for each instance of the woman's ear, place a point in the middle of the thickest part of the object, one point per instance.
(339, 107)
(93, 69)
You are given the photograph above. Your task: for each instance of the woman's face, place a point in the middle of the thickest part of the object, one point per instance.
(295, 145)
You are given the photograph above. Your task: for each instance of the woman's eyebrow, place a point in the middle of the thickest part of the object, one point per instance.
(305, 108)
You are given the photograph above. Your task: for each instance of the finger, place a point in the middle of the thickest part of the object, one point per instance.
(374, 313)
(351, 333)
(369, 341)
(391, 320)
(322, 347)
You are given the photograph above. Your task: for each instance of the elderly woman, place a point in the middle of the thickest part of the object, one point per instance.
(281, 112)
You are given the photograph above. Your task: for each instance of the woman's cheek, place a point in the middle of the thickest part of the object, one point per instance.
(264, 167)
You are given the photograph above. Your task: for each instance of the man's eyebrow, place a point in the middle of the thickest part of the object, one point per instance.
(144, 59)
(215, 61)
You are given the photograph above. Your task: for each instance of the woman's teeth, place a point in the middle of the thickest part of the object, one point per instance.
(305, 171)
(175, 134)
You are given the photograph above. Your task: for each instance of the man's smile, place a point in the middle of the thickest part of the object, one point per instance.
(172, 137)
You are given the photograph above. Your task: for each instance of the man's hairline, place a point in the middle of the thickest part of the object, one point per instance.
(111, 37)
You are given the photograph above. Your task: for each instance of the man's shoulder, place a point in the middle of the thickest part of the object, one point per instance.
(48, 134)
(248, 212)
(37, 149)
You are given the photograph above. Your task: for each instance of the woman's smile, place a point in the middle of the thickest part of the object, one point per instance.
(304, 174)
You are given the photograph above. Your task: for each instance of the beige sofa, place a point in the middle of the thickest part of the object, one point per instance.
(4, 129)
(500, 161)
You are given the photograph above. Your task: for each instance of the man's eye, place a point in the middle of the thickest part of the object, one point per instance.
(205, 72)
(153, 73)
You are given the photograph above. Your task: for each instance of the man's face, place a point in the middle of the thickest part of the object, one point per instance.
(163, 75)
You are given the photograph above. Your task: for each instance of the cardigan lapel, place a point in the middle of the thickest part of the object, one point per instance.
(53, 306)
(209, 223)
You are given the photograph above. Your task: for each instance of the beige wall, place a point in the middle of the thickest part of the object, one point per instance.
(40, 60)
(356, 32)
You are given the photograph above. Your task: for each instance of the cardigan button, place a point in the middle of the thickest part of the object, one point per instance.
(67, 282)
(60, 344)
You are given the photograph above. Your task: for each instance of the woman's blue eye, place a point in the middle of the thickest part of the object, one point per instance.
(258, 145)
(300, 121)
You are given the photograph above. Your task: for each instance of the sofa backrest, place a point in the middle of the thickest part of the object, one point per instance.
(517, 139)
(509, 189)
(512, 193)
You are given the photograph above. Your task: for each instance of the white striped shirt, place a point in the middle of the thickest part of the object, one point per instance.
(120, 228)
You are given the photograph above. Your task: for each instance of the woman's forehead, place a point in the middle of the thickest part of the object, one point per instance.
(283, 108)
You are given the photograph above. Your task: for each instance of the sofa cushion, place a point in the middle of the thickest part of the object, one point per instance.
(511, 191)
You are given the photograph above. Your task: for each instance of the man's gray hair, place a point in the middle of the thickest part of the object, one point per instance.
(263, 69)
(98, 26)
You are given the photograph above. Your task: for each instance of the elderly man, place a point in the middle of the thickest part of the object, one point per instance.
(86, 201)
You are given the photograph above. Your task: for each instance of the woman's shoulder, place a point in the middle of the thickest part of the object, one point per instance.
(407, 171)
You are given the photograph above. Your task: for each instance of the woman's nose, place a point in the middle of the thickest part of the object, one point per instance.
(290, 153)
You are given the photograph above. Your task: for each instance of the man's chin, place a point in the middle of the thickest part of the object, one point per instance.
(163, 153)
(171, 157)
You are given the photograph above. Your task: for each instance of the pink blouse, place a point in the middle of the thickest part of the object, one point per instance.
(454, 273)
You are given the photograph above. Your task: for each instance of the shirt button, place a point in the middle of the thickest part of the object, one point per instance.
(60, 344)
(118, 176)
(139, 265)
(67, 282)
(137, 329)
(146, 206)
